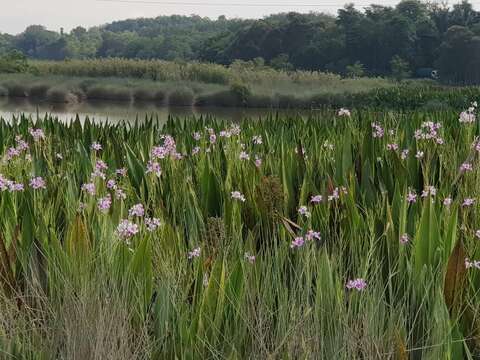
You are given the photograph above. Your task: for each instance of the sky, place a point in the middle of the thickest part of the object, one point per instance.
(16, 15)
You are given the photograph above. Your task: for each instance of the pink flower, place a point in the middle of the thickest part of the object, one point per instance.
(237, 195)
(420, 155)
(250, 258)
(357, 284)
(477, 234)
(258, 161)
(99, 174)
(195, 150)
(312, 235)
(136, 210)
(111, 184)
(197, 136)
(392, 147)
(429, 190)
(14, 186)
(316, 199)
(298, 242)
(37, 134)
(344, 112)
(100, 165)
(378, 131)
(122, 172)
(104, 203)
(152, 224)
(466, 167)
(96, 146)
(89, 188)
(303, 210)
(447, 201)
(468, 202)
(154, 167)
(467, 117)
(12, 153)
(37, 183)
(411, 197)
(244, 156)
(257, 140)
(127, 229)
(404, 239)
(195, 253)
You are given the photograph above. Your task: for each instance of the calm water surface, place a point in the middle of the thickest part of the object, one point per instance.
(115, 112)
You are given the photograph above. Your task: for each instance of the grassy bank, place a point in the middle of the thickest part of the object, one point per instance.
(240, 85)
(352, 236)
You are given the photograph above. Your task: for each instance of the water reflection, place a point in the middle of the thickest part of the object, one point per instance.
(101, 111)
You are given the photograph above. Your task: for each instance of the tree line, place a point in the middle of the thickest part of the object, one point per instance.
(410, 39)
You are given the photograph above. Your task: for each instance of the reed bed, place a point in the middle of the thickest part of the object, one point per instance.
(350, 235)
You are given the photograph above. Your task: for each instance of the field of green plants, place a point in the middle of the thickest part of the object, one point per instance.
(350, 235)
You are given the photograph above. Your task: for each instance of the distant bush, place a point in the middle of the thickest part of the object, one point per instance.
(16, 89)
(39, 91)
(181, 97)
(61, 95)
(159, 96)
(287, 101)
(222, 99)
(109, 93)
(3, 91)
(143, 94)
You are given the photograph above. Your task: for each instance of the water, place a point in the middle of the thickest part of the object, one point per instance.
(115, 112)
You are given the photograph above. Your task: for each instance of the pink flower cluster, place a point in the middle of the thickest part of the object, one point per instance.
(472, 264)
(37, 183)
(237, 195)
(127, 229)
(104, 203)
(195, 253)
(378, 131)
(37, 134)
(468, 116)
(429, 131)
(356, 284)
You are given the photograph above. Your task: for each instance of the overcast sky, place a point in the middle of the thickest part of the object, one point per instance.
(15, 15)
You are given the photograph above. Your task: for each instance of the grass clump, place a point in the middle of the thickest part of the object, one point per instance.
(181, 97)
(61, 95)
(39, 91)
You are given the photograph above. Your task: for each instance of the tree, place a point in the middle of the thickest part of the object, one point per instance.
(13, 62)
(281, 62)
(400, 68)
(355, 70)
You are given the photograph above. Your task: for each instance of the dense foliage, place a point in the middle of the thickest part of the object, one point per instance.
(351, 236)
(413, 37)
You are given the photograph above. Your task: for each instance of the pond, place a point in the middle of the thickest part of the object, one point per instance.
(115, 112)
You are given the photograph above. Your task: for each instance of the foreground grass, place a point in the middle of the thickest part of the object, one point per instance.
(232, 269)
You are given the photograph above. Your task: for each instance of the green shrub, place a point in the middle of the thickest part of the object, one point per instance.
(61, 95)
(181, 97)
(143, 94)
(16, 90)
(159, 96)
(39, 91)
(221, 99)
(109, 93)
